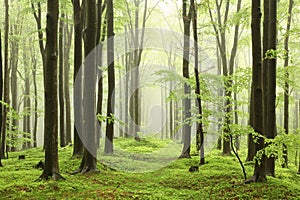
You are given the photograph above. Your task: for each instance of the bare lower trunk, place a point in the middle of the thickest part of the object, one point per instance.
(51, 104)
(186, 134)
(77, 14)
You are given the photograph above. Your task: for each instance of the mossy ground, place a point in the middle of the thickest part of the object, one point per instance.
(220, 178)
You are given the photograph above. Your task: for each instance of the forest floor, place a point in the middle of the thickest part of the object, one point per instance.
(220, 178)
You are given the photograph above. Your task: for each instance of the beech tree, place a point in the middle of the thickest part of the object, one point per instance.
(77, 15)
(270, 40)
(6, 82)
(16, 32)
(111, 79)
(37, 13)
(51, 103)
(228, 62)
(286, 89)
(200, 132)
(1, 89)
(186, 134)
(88, 162)
(134, 60)
(259, 169)
(61, 82)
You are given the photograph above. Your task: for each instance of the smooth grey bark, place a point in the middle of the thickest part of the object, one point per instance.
(14, 61)
(35, 108)
(135, 59)
(186, 134)
(37, 13)
(26, 102)
(200, 132)
(88, 162)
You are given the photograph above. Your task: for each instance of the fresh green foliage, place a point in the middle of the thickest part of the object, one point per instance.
(14, 132)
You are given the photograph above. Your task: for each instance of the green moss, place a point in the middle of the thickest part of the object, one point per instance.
(220, 178)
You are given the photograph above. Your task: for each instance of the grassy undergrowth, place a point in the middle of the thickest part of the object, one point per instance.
(220, 178)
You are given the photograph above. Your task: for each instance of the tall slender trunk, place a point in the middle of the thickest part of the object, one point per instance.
(220, 94)
(127, 68)
(200, 132)
(61, 82)
(1, 90)
(250, 141)
(77, 14)
(270, 128)
(38, 18)
(51, 102)
(6, 82)
(286, 90)
(186, 134)
(68, 33)
(88, 162)
(14, 89)
(259, 169)
(35, 109)
(111, 79)
(299, 152)
(27, 102)
(101, 30)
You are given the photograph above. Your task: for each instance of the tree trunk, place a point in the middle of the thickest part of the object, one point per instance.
(38, 18)
(220, 94)
(14, 89)
(127, 68)
(61, 82)
(77, 14)
(1, 92)
(6, 82)
(68, 32)
(111, 79)
(299, 152)
(236, 121)
(51, 104)
(27, 103)
(221, 42)
(99, 42)
(187, 90)
(200, 132)
(250, 141)
(34, 69)
(271, 112)
(259, 169)
(296, 125)
(286, 89)
(88, 162)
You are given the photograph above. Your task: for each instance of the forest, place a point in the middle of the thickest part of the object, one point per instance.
(149, 99)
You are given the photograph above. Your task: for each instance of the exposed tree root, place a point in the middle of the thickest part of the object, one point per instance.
(86, 170)
(55, 175)
(184, 155)
(77, 156)
(255, 179)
